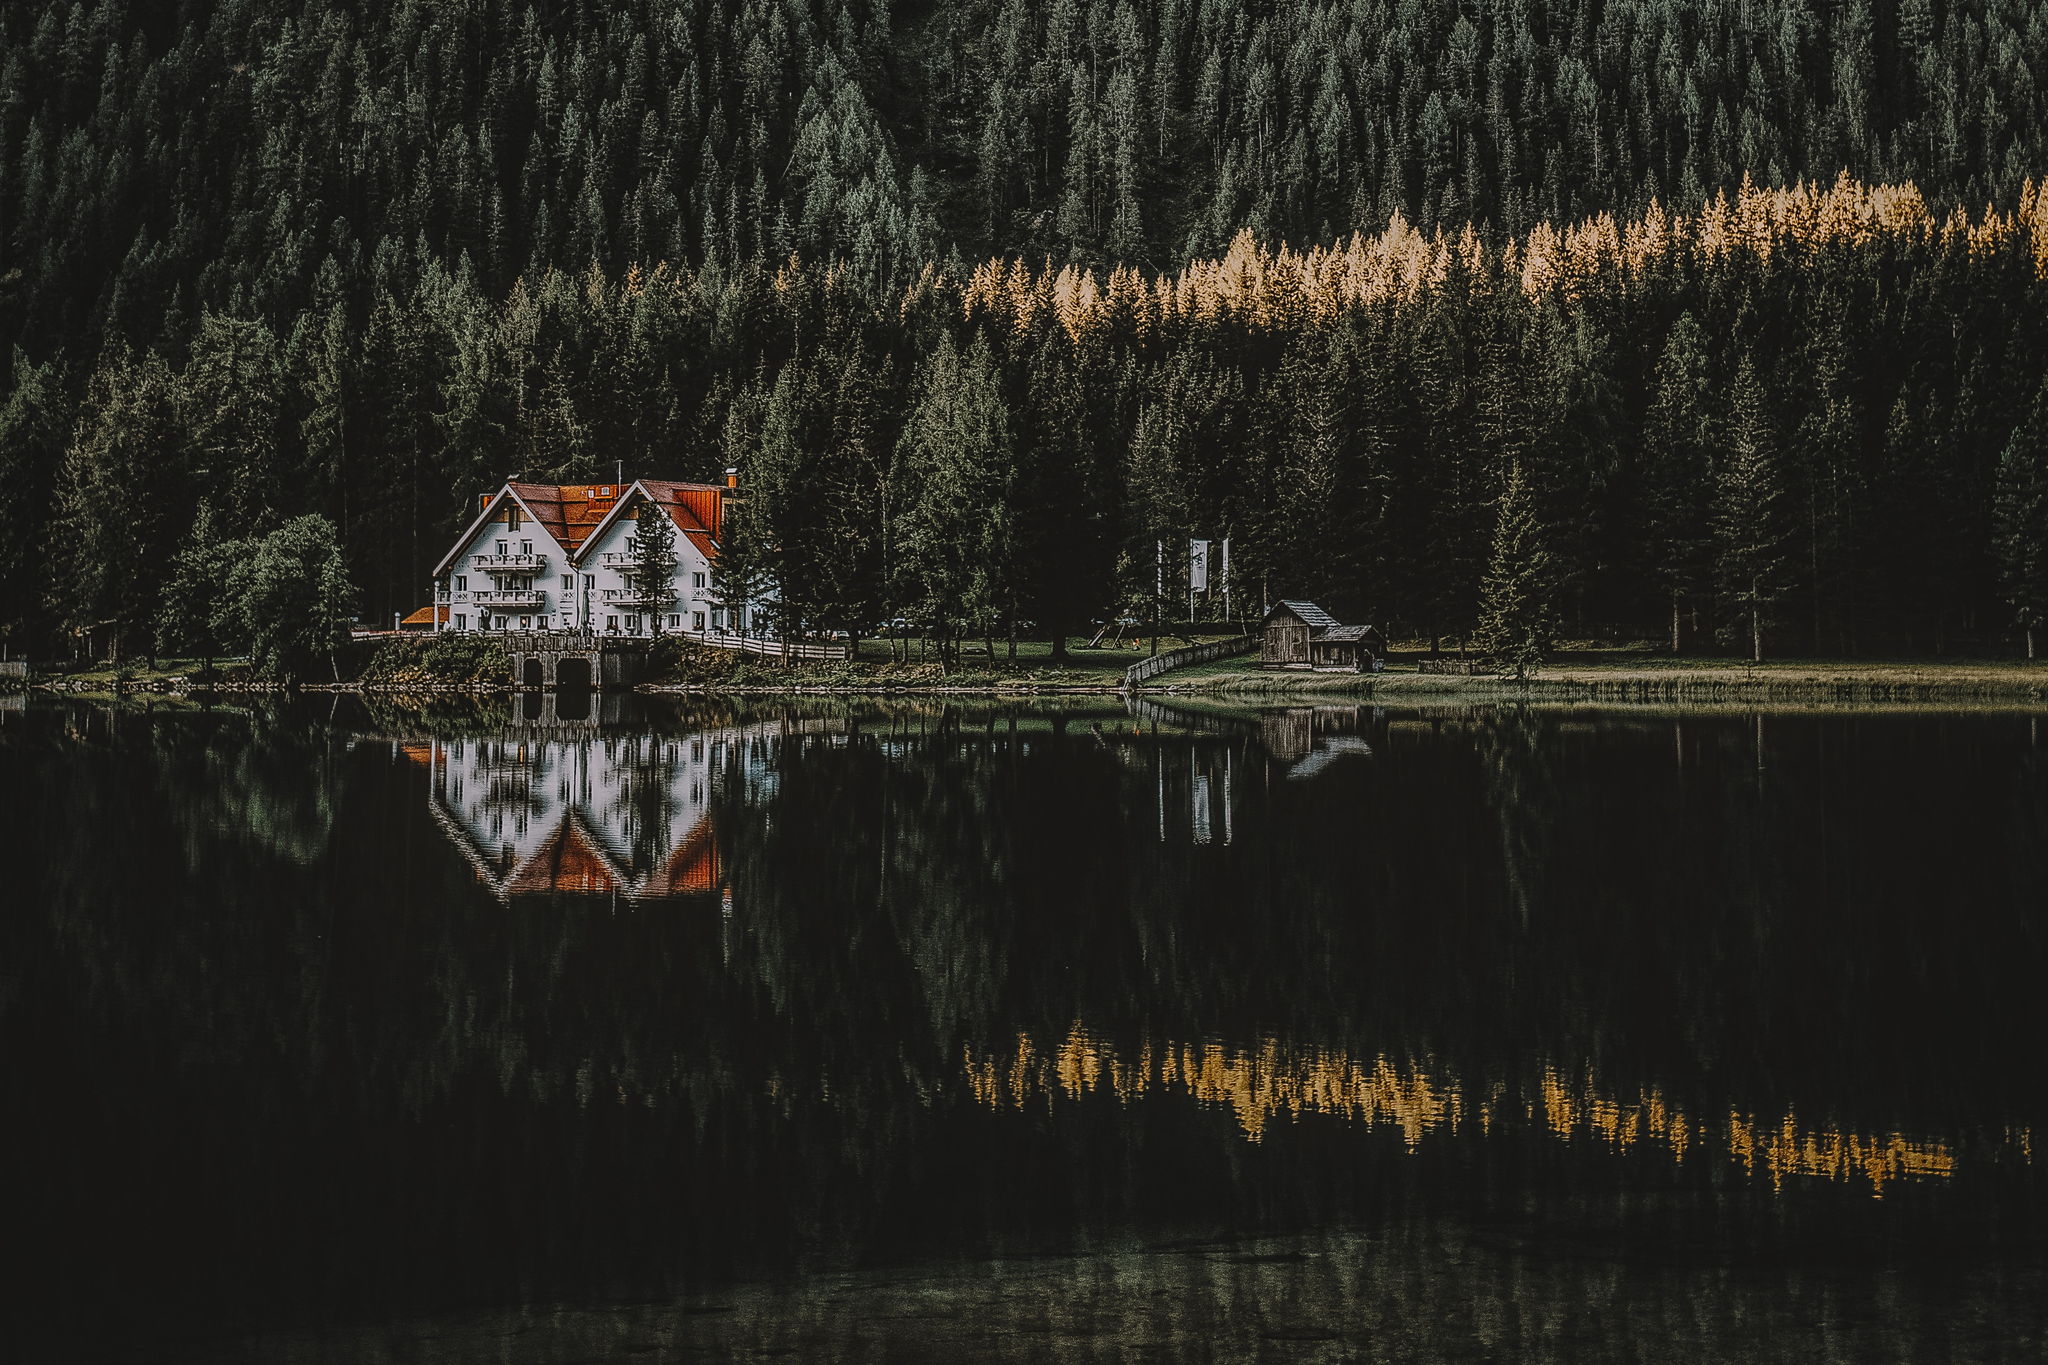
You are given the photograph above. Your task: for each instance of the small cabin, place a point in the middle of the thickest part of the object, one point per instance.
(1301, 635)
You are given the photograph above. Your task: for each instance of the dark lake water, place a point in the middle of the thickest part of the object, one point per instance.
(904, 1032)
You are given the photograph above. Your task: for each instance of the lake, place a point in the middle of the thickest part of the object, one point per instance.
(620, 1029)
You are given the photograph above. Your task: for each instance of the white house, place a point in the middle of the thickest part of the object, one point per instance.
(543, 556)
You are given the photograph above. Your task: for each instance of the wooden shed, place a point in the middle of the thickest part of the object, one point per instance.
(1299, 634)
(1285, 634)
(1345, 649)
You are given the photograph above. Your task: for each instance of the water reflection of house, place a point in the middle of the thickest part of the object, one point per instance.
(597, 814)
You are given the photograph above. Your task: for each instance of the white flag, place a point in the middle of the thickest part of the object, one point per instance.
(1198, 566)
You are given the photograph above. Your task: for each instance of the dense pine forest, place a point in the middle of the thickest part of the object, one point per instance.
(1722, 324)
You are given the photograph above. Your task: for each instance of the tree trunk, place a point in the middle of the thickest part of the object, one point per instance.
(1756, 623)
(1675, 620)
(2030, 644)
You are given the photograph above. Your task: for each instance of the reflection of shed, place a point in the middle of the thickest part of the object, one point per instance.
(1297, 634)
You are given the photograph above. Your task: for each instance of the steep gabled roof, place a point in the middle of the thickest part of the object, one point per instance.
(693, 507)
(469, 532)
(569, 511)
(574, 513)
(1344, 633)
(1311, 614)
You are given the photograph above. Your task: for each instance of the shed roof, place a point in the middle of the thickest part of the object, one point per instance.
(1309, 612)
(1342, 633)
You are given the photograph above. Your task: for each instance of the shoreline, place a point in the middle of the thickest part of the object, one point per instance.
(1635, 682)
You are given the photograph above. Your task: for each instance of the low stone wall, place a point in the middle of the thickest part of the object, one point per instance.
(1181, 658)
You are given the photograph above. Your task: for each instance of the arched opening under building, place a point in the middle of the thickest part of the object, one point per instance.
(531, 675)
(572, 674)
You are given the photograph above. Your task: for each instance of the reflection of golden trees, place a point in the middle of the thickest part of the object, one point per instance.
(1273, 1082)
(1282, 287)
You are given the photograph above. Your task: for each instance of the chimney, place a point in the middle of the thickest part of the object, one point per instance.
(732, 477)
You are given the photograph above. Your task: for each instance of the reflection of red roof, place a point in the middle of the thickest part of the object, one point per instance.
(693, 867)
(566, 862)
(422, 754)
(427, 616)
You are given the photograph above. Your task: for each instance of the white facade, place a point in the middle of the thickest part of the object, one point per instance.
(504, 576)
(545, 557)
(612, 602)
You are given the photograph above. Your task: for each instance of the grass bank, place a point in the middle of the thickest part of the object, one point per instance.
(681, 666)
(1634, 675)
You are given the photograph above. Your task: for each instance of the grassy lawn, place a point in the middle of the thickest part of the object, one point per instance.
(138, 672)
(1036, 655)
(1623, 671)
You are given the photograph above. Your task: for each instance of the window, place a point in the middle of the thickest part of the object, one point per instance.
(501, 623)
(675, 622)
(632, 544)
(526, 623)
(511, 519)
(568, 581)
(462, 582)
(501, 547)
(526, 547)
(718, 618)
(611, 623)
(697, 581)
(697, 622)
(462, 620)
(590, 580)
(633, 623)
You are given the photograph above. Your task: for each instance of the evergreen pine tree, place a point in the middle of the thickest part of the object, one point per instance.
(654, 561)
(1749, 532)
(1678, 443)
(1517, 621)
(952, 533)
(194, 612)
(32, 430)
(2020, 520)
(116, 493)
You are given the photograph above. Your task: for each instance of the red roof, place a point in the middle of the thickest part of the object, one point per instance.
(427, 616)
(572, 512)
(695, 508)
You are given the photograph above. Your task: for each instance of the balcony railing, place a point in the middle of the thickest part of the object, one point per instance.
(638, 597)
(625, 559)
(509, 597)
(511, 563)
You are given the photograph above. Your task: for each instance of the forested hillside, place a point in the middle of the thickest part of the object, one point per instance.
(295, 256)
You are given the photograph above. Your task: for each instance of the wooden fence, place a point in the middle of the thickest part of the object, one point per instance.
(1181, 658)
(774, 649)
